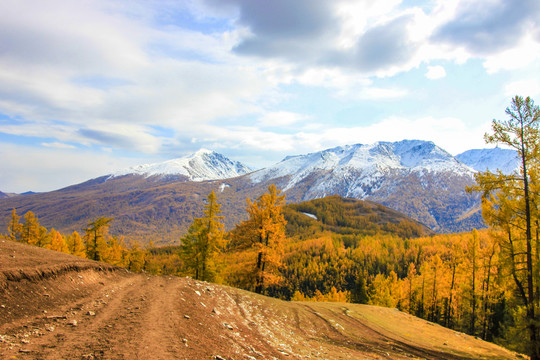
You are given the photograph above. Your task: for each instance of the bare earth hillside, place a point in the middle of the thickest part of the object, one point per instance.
(56, 306)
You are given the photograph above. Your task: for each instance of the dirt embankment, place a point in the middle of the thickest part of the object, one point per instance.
(55, 306)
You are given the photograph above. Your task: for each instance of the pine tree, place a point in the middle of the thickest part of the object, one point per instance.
(203, 243)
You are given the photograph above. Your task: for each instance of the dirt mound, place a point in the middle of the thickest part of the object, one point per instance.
(55, 306)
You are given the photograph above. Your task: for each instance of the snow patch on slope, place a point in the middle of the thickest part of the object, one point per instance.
(200, 166)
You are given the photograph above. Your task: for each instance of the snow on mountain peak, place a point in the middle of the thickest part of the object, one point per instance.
(505, 160)
(200, 166)
(363, 164)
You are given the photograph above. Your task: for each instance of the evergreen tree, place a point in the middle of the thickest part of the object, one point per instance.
(359, 294)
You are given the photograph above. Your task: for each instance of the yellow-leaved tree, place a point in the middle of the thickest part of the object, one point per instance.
(263, 234)
(510, 205)
(204, 243)
(96, 238)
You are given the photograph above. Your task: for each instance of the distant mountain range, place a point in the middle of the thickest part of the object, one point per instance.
(505, 160)
(159, 201)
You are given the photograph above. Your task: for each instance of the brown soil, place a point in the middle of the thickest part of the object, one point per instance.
(56, 306)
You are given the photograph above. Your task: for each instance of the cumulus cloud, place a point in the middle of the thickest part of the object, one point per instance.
(281, 118)
(524, 88)
(28, 168)
(148, 77)
(384, 46)
(435, 72)
(487, 27)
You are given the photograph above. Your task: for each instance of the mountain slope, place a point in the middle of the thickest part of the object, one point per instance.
(200, 166)
(102, 313)
(505, 160)
(414, 177)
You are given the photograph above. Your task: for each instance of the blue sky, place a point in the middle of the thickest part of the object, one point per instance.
(87, 87)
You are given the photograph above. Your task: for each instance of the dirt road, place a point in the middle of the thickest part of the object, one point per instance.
(60, 307)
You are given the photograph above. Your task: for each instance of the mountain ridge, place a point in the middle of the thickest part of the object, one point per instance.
(414, 177)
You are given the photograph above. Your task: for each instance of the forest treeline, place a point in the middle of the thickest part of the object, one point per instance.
(485, 283)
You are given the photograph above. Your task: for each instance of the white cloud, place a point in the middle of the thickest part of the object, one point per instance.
(523, 88)
(112, 75)
(526, 52)
(58, 145)
(281, 118)
(28, 168)
(451, 134)
(435, 72)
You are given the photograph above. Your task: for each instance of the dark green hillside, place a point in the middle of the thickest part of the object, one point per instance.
(348, 216)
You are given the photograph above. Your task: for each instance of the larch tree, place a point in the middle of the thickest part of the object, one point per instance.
(472, 257)
(31, 230)
(264, 233)
(96, 237)
(204, 242)
(57, 242)
(76, 245)
(15, 227)
(510, 204)
(136, 258)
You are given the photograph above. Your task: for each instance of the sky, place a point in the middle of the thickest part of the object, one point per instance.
(90, 87)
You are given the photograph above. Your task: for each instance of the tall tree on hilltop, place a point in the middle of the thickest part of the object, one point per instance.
(263, 232)
(204, 242)
(510, 203)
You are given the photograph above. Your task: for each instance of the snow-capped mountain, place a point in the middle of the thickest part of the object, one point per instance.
(200, 166)
(505, 160)
(356, 170)
(415, 177)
